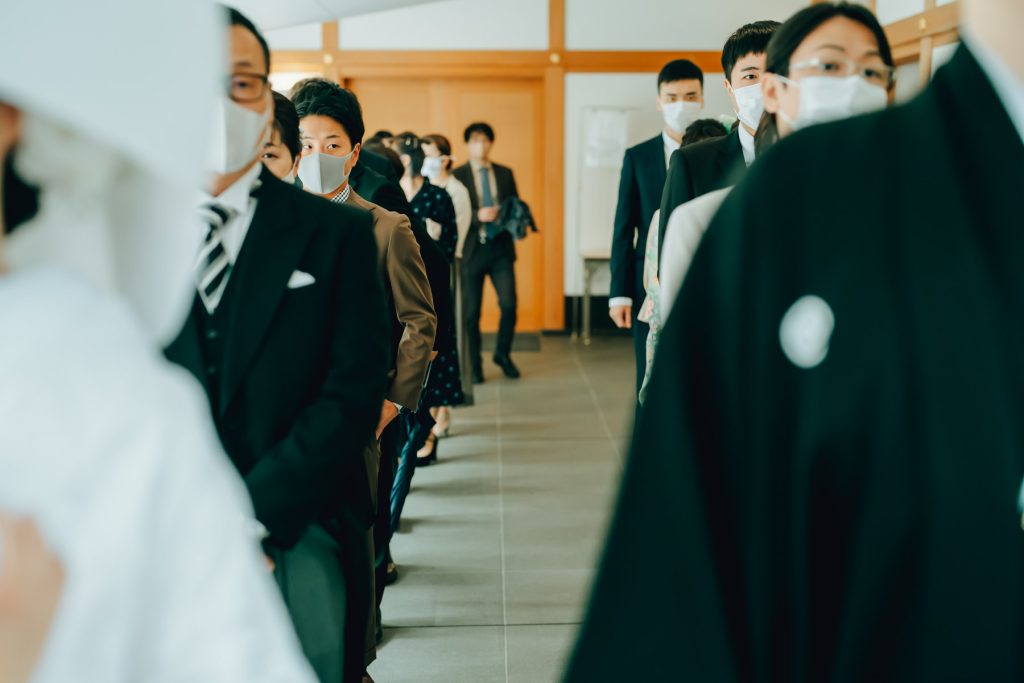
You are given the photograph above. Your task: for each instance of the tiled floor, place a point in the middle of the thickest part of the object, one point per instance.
(499, 538)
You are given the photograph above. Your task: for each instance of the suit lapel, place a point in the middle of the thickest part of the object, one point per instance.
(470, 184)
(185, 350)
(273, 247)
(657, 162)
(730, 153)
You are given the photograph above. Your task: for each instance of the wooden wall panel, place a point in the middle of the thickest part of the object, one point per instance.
(514, 107)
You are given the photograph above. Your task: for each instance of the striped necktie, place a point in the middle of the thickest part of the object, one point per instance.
(213, 264)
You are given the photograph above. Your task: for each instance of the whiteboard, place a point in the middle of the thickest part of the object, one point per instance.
(605, 135)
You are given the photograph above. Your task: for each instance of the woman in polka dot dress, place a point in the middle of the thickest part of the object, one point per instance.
(434, 206)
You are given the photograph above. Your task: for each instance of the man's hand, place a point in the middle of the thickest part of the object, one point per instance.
(31, 579)
(487, 214)
(622, 316)
(388, 412)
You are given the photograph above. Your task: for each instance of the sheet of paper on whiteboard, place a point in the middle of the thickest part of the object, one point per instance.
(604, 135)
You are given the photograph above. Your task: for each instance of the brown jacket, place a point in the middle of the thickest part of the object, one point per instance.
(407, 288)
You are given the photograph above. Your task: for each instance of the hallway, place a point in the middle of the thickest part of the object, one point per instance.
(499, 538)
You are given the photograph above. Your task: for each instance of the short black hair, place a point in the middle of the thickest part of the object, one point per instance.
(478, 127)
(286, 121)
(750, 39)
(323, 98)
(680, 70)
(381, 134)
(236, 18)
(703, 129)
(383, 151)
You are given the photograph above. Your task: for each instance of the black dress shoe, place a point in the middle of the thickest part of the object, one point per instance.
(506, 364)
(478, 374)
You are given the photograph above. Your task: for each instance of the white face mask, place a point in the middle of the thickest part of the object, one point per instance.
(824, 99)
(679, 115)
(238, 135)
(323, 173)
(432, 167)
(749, 105)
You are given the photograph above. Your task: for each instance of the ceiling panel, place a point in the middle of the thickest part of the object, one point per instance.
(275, 14)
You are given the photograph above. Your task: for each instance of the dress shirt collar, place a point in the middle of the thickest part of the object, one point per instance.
(477, 165)
(670, 146)
(342, 196)
(1008, 86)
(236, 197)
(747, 143)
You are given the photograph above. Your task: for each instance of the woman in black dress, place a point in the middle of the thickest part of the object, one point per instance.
(434, 206)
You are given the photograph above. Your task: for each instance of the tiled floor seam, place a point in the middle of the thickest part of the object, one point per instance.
(501, 530)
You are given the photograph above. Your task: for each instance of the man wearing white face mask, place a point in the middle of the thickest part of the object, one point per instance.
(288, 335)
(680, 101)
(714, 164)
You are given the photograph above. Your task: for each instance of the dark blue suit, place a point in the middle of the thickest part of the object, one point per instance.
(640, 188)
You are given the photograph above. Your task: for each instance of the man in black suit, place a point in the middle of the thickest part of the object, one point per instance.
(289, 337)
(680, 99)
(711, 165)
(489, 184)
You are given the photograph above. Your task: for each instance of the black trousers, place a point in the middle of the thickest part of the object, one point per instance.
(640, 329)
(497, 260)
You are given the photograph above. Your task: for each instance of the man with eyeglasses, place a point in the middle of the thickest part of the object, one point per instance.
(289, 337)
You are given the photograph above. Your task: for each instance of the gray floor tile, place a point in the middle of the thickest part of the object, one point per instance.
(552, 596)
(500, 539)
(464, 598)
(537, 654)
(441, 655)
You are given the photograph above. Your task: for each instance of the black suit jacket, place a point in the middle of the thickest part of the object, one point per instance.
(304, 370)
(379, 164)
(640, 188)
(698, 169)
(506, 182)
(376, 189)
(857, 520)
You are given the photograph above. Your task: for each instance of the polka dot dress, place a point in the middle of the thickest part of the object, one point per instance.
(444, 386)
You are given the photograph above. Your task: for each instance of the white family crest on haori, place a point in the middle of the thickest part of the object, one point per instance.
(806, 330)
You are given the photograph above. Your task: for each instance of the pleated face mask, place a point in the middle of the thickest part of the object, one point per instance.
(824, 99)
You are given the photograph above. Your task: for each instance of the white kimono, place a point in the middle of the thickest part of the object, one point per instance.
(112, 452)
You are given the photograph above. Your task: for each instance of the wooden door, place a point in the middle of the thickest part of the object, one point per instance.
(514, 107)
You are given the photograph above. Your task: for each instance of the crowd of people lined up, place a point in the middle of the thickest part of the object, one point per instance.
(825, 478)
(313, 304)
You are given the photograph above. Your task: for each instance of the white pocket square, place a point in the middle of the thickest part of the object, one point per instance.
(300, 279)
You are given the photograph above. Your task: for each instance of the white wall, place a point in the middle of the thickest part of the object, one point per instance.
(611, 90)
(304, 37)
(889, 11)
(451, 25)
(665, 24)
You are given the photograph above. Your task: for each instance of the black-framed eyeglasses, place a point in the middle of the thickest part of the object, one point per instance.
(247, 87)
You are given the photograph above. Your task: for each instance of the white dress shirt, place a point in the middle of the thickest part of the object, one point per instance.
(238, 200)
(670, 146)
(747, 143)
(1009, 86)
